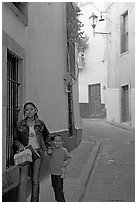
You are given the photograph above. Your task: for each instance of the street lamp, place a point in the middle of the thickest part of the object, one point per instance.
(93, 20)
(101, 17)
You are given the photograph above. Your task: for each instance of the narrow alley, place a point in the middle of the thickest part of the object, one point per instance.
(68, 68)
(112, 177)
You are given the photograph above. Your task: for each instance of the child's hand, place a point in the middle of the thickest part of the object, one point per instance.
(63, 172)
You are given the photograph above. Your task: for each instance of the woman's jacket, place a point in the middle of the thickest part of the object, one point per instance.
(21, 133)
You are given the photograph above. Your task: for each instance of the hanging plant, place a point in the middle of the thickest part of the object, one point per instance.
(74, 33)
(82, 44)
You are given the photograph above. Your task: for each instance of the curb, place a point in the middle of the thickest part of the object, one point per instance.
(83, 181)
(131, 129)
(119, 125)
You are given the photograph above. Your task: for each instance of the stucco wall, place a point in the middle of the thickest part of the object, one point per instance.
(121, 67)
(113, 105)
(13, 38)
(46, 63)
(133, 107)
(13, 25)
(94, 70)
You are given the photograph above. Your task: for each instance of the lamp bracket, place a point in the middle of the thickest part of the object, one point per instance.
(102, 33)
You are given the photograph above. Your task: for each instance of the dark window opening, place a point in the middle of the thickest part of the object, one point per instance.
(124, 32)
(125, 103)
(22, 7)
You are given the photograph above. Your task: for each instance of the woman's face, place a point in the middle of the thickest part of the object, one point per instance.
(30, 111)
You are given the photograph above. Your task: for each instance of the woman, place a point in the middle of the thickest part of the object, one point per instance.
(30, 131)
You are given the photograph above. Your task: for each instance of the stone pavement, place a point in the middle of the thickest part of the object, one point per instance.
(113, 177)
(77, 173)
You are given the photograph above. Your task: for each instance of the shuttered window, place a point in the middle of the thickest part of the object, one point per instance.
(124, 32)
(12, 103)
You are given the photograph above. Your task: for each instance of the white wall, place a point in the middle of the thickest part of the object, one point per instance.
(121, 67)
(14, 38)
(133, 107)
(47, 64)
(13, 26)
(94, 70)
(113, 105)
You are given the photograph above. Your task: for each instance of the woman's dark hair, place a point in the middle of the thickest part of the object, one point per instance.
(30, 103)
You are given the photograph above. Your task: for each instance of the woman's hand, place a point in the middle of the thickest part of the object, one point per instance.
(48, 151)
(21, 148)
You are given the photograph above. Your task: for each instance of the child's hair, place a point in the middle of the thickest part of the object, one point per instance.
(57, 135)
(30, 103)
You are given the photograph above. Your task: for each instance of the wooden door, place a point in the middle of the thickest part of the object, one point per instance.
(94, 100)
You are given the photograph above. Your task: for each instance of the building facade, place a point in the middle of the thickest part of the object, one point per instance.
(120, 54)
(93, 72)
(34, 68)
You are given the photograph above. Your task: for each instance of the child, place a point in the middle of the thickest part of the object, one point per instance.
(59, 159)
(30, 131)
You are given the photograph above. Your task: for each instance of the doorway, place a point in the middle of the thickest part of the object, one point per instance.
(125, 103)
(95, 100)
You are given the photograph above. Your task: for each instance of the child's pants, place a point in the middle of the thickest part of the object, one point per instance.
(57, 184)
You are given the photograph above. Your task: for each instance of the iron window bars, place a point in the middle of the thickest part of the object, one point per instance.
(12, 104)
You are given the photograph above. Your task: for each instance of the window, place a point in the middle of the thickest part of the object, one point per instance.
(124, 32)
(12, 104)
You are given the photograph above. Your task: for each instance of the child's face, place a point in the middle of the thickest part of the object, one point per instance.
(57, 141)
(30, 111)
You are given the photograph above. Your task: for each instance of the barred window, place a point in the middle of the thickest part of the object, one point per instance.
(12, 104)
(124, 32)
